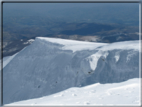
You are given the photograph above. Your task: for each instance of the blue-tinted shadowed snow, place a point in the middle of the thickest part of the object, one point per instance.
(48, 66)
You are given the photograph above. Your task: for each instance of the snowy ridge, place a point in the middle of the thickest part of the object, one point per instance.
(51, 65)
(7, 59)
(125, 93)
(83, 45)
(126, 45)
(71, 44)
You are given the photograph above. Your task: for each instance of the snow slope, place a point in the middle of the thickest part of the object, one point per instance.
(124, 93)
(7, 59)
(51, 65)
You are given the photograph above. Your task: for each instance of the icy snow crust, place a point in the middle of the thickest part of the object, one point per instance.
(52, 65)
(125, 93)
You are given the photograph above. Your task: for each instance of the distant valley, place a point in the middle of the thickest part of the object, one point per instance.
(93, 32)
(95, 22)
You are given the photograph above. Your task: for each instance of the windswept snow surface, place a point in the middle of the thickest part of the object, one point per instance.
(72, 44)
(125, 93)
(7, 59)
(51, 65)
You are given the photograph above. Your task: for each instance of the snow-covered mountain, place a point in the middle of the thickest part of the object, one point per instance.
(125, 93)
(52, 65)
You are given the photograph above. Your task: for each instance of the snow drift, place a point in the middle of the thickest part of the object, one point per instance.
(125, 93)
(52, 65)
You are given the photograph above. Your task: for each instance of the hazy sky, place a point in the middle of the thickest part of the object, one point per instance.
(122, 13)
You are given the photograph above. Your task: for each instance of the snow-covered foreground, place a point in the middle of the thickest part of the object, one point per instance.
(125, 93)
(51, 65)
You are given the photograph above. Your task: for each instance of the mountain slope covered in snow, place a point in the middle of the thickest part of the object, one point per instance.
(124, 93)
(52, 65)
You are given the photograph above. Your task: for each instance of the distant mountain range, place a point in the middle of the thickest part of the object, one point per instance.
(96, 22)
(94, 32)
